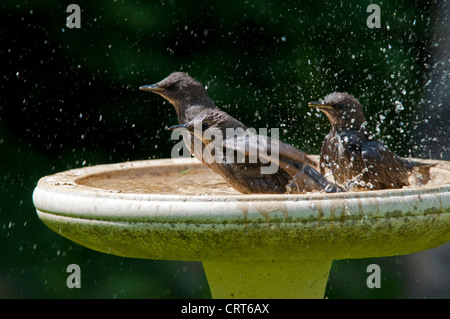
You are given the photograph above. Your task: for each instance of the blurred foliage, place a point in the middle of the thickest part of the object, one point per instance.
(70, 98)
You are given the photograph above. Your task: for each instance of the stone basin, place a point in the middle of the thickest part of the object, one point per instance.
(251, 246)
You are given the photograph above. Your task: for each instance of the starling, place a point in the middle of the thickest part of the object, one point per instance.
(356, 159)
(231, 145)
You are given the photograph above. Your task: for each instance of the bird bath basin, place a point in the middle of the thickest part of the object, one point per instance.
(251, 246)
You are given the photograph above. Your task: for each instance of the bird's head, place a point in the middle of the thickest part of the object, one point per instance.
(342, 109)
(179, 89)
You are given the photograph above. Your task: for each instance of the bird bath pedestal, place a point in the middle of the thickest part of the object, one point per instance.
(251, 246)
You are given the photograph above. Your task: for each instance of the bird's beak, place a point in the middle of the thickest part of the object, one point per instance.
(184, 125)
(151, 88)
(319, 105)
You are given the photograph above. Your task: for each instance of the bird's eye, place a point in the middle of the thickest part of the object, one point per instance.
(172, 87)
(205, 125)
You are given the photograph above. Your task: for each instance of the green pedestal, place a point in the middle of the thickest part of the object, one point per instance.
(268, 279)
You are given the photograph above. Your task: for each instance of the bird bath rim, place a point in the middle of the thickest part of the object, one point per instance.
(75, 179)
(78, 176)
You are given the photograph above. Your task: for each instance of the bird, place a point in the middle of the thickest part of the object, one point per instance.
(357, 159)
(190, 100)
(231, 144)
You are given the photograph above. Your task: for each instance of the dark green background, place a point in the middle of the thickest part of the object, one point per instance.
(70, 98)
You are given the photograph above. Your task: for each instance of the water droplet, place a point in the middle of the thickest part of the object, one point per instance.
(398, 106)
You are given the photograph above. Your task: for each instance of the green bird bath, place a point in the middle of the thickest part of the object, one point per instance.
(251, 246)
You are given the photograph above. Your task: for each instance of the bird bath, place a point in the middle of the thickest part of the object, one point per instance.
(251, 246)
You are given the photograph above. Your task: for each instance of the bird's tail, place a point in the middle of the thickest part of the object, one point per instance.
(411, 165)
(419, 172)
(318, 180)
(326, 185)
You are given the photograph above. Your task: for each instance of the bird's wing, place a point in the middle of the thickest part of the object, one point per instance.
(290, 152)
(326, 153)
(290, 159)
(383, 166)
(266, 149)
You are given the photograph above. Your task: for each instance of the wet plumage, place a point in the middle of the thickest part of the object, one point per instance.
(355, 158)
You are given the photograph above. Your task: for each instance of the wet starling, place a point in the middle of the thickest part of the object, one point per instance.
(233, 153)
(357, 159)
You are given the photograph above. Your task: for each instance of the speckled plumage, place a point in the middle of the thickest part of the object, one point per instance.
(355, 158)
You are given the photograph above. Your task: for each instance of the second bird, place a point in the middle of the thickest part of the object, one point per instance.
(356, 159)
